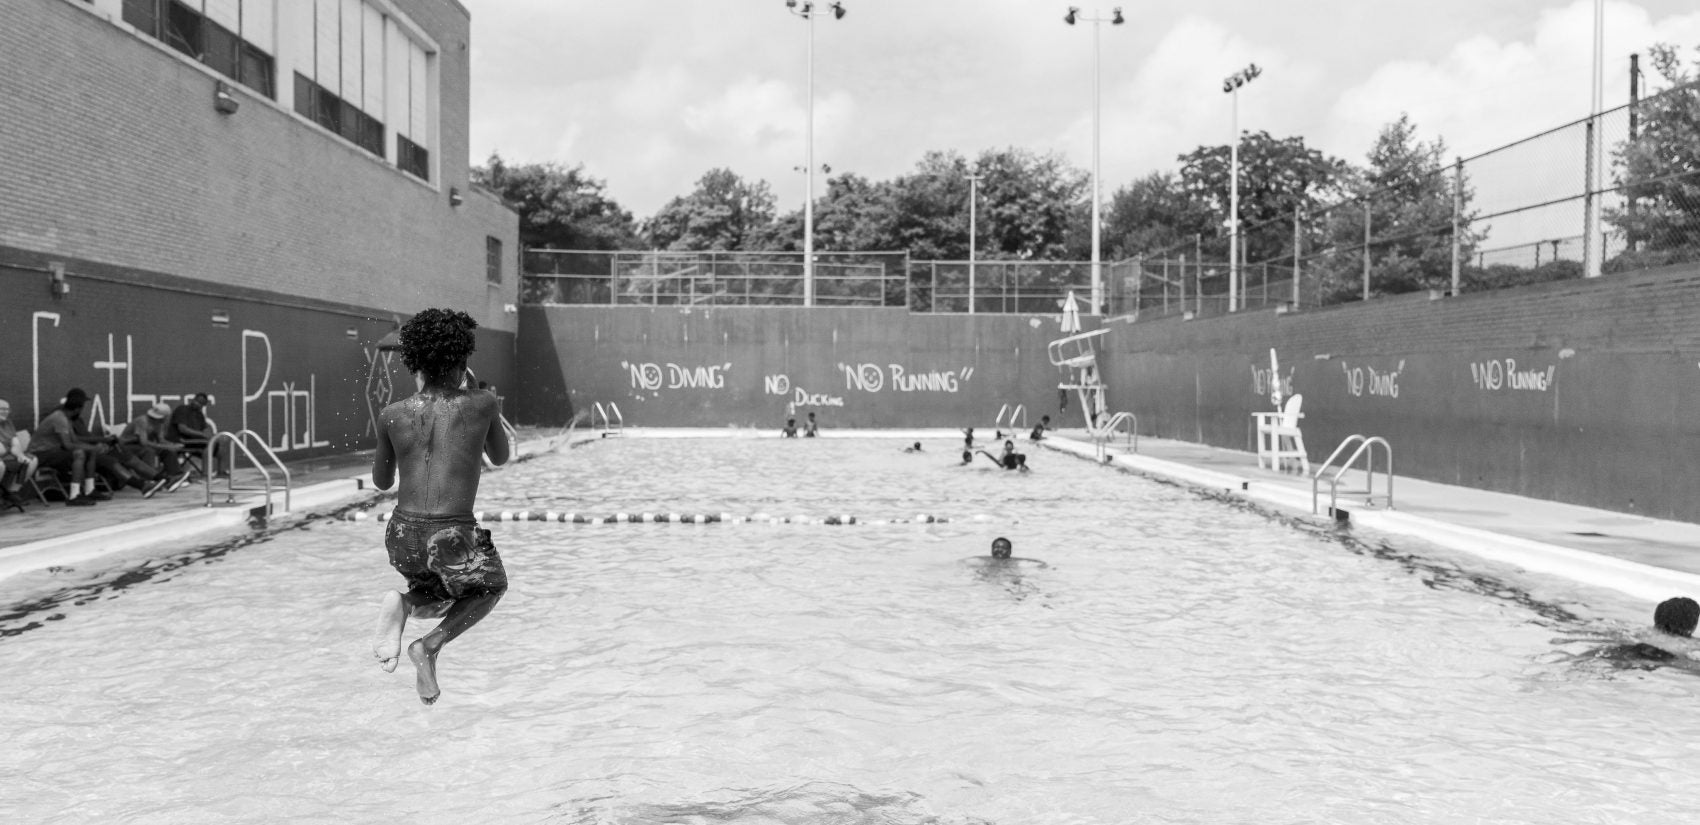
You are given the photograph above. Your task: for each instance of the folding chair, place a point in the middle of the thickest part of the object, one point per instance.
(46, 479)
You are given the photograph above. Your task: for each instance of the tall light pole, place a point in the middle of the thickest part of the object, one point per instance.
(806, 10)
(1115, 19)
(973, 235)
(1232, 86)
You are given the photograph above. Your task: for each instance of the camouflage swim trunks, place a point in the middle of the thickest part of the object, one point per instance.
(444, 558)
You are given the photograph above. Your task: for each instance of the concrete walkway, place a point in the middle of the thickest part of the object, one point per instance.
(1645, 558)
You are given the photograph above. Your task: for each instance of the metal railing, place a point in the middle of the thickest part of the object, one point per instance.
(1366, 448)
(238, 440)
(613, 423)
(1102, 435)
(1019, 411)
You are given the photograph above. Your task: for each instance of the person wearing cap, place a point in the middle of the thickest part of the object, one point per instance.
(109, 462)
(56, 446)
(143, 442)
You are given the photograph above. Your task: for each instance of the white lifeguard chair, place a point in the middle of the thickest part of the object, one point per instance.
(1077, 356)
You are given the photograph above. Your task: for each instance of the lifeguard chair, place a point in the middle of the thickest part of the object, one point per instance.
(1077, 357)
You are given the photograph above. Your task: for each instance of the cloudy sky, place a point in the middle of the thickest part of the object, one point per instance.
(649, 95)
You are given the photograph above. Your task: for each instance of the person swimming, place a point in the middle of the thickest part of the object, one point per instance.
(790, 430)
(1010, 460)
(968, 437)
(913, 448)
(1668, 642)
(1040, 428)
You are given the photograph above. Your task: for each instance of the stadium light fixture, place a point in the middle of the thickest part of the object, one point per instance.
(1231, 86)
(1115, 19)
(806, 10)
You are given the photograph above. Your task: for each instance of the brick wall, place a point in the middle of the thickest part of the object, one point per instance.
(111, 152)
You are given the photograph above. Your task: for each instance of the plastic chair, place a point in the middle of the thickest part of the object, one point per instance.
(1285, 439)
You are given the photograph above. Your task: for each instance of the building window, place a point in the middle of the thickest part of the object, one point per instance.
(492, 259)
(343, 88)
(232, 37)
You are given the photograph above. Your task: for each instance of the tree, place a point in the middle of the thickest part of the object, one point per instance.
(724, 212)
(1154, 215)
(1031, 203)
(1276, 177)
(1658, 171)
(1408, 189)
(559, 207)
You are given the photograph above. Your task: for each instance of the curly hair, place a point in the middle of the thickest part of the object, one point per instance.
(1678, 615)
(436, 341)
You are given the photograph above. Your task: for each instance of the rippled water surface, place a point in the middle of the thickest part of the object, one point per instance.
(1177, 660)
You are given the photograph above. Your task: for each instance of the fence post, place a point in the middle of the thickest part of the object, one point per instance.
(1166, 286)
(1183, 282)
(1298, 241)
(1457, 222)
(1366, 247)
(1591, 252)
(935, 299)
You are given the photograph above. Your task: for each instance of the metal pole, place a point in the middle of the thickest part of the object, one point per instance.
(1198, 271)
(1366, 247)
(809, 173)
(1593, 244)
(973, 202)
(1298, 241)
(1097, 271)
(1634, 132)
(1234, 206)
(1457, 223)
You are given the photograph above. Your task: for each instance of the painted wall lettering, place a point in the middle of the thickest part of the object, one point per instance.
(1361, 380)
(869, 378)
(1260, 382)
(1504, 374)
(804, 398)
(777, 384)
(652, 376)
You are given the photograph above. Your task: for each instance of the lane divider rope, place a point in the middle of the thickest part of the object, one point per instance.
(522, 516)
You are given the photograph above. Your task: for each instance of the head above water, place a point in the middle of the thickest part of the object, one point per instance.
(1001, 548)
(436, 343)
(1044, 419)
(790, 421)
(917, 446)
(1677, 616)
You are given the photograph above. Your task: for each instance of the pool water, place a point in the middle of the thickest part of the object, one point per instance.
(1176, 659)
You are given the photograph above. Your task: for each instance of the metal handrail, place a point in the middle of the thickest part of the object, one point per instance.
(1020, 411)
(1102, 435)
(1082, 347)
(238, 440)
(1365, 444)
(611, 425)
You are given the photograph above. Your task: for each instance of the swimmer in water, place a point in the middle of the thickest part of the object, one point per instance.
(913, 448)
(1668, 642)
(435, 440)
(1003, 556)
(809, 427)
(1040, 428)
(968, 438)
(1002, 567)
(790, 430)
(1010, 460)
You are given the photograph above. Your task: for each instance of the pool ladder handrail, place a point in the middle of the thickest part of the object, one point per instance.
(1102, 435)
(238, 439)
(1365, 447)
(611, 426)
(1020, 411)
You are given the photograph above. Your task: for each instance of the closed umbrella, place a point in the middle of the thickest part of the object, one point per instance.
(1274, 379)
(1070, 314)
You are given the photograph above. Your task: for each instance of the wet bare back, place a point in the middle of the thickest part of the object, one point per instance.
(433, 441)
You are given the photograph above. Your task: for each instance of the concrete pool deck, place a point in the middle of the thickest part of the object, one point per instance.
(1643, 557)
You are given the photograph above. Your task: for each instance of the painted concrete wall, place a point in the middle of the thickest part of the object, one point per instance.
(1585, 391)
(756, 366)
(306, 376)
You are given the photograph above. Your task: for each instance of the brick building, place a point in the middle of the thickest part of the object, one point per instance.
(240, 197)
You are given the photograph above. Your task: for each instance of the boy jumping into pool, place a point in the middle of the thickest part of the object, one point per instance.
(435, 440)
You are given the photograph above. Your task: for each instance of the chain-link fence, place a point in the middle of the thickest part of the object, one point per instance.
(710, 278)
(1522, 213)
(999, 286)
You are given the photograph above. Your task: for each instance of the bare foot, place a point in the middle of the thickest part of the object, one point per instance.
(425, 662)
(386, 642)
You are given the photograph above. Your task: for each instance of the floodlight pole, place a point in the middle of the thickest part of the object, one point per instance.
(973, 234)
(807, 12)
(1232, 87)
(1097, 106)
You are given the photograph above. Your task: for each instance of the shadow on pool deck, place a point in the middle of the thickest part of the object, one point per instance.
(1671, 545)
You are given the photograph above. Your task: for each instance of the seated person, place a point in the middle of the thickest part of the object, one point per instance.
(913, 448)
(809, 427)
(55, 446)
(189, 427)
(790, 430)
(143, 444)
(1040, 428)
(16, 464)
(109, 462)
